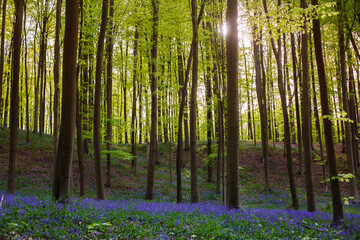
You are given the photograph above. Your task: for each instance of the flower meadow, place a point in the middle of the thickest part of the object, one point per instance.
(26, 216)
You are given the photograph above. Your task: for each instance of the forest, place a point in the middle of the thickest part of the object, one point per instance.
(198, 119)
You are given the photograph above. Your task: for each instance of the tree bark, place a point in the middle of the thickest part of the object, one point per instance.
(209, 122)
(193, 106)
(57, 75)
(2, 54)
(97, 127)
(26, 82)
(154, 103)
(306, 114)
(317, 121)
(133, 114)
(260, 82)
(109, 84)
(345, 98)
(277, 53)
(338, 215)
(297, 107)
(232, 104)
(63, 163)
(14, 108)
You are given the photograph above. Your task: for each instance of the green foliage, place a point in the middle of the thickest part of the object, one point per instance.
(342, 117)
(119, 154)
(318, 160)
(342, 177)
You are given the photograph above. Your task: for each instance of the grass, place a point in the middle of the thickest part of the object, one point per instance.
(32, 214)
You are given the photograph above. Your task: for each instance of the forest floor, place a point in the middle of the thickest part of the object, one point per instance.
(35, 168)
(35, 171)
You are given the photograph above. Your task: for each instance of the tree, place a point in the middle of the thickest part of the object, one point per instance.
(193, 105)
(338, 215)
(260, 82)
(57, 74)
(2, 54)
(287, 140)
(345, 99)
(14, 110)
(232, 104)
(133, 114)
(109, 84)
(297, 107)
(96, 129)
(63, 162)
(306, 113)
(153, 130)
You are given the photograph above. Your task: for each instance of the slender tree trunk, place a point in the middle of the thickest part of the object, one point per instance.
(154, 103)
(179, 150)
(80, 147)
(63, 163)
(186, 124)
(57, 75)
(297, 107)
(219, 121)
(277, 53)
(8, 82)
(193, 106)
(290, 96)
(261, 96)
(233, 104)
(124, 89)
(109, 89)
(26, 82)
(317, 121)
(42, 69)
(338, 215)
(14, 117)
(306, 113)
(2, 54)
(345, 98)
(209, 121)
(97, 127)
(133, 114)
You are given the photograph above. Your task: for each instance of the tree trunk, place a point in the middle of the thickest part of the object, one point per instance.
(317, 121)
(287, 137)
(179, 151)
(345, 98)
(63, 163)
(42, 69)
(26, 82)
(2, 54)
(14, 117)
(338, 215)
(193, 106)
(57, 74)
(133, 114)
(306, 114)
(80, 147)
(232, 105)
(297, 107)
(124, 89)
(260, 81)
(154, 103)
(97, 126)
(109, 84)
(209, 122)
